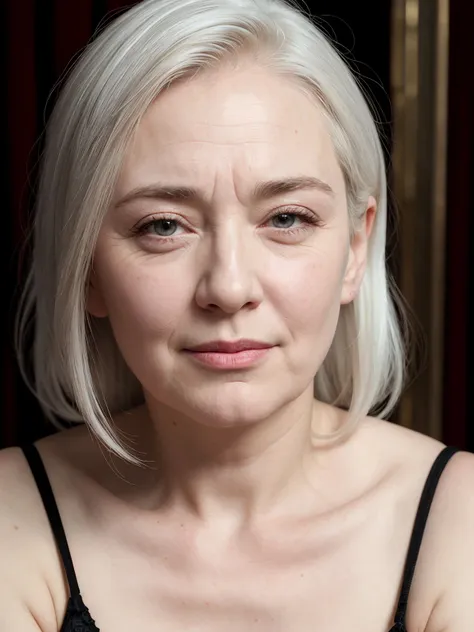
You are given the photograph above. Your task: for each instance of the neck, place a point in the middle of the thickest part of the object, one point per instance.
(236, 473)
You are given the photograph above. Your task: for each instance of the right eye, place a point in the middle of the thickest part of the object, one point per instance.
(162, 227)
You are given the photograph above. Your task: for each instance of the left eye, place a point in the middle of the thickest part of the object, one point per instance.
(163, 227)
(285, 220)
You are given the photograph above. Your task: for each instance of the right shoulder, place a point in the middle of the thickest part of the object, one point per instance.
(28, 561)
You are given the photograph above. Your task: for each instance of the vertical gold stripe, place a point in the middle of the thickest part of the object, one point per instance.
(438, 244)
(404, 68)
(419, 67)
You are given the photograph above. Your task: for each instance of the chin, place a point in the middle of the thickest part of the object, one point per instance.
(237, 404)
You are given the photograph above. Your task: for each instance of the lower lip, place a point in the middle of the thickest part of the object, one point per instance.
(239, 360)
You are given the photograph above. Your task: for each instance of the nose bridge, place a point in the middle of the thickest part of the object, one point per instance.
(229, 276)
(229, 246)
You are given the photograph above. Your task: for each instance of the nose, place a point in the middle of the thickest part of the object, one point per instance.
(229, 281)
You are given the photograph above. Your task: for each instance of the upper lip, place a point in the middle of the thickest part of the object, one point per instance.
(229, 346)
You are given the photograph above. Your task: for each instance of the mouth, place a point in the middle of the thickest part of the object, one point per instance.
(227, 355)
(230, 346)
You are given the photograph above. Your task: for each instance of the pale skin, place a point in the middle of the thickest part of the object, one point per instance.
(244, 521)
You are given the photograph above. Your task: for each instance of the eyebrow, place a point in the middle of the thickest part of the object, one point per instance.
(262, 190)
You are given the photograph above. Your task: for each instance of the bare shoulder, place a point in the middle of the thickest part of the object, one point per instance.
(400, 445)
(33, 586)
(450, 543)
(444, 576)
(411, 455)
(26, 602)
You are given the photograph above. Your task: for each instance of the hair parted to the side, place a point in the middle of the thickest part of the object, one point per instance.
(79, 373)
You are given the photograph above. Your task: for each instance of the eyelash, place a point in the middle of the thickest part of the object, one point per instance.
(310, 218)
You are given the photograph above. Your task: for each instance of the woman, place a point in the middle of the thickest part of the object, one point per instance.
(211, 299)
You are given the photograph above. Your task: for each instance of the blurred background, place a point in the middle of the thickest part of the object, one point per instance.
(414, 58)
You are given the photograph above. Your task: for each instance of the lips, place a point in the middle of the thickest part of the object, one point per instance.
(225, 346)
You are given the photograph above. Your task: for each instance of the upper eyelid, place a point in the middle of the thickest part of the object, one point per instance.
(302, 212)
(313, 221)
(289, 210)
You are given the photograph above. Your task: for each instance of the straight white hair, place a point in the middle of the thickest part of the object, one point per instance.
(78, 371)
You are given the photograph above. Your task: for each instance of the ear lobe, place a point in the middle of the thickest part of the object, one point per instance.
(357, 259)
(95, 303)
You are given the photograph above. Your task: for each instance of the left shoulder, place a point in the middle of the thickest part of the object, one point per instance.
(450, 547)
(455, 489)
(442, 595)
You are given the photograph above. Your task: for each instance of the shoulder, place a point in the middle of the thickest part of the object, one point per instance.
(411, 455)
(32, 579)
(406, 453)
(450, 538)
(443, 585)
(25, 549)
(21, 523)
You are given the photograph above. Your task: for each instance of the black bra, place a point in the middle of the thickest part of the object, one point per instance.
(78, 619)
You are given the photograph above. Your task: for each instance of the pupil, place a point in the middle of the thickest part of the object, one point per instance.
(165, 226)
(285, 218)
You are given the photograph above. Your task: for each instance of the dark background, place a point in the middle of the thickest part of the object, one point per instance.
(40, 37)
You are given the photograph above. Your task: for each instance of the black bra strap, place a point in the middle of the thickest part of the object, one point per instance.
(419, 528)
(42, 481)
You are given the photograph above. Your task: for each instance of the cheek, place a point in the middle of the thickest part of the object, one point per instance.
(142, 300)
(310, 292)
(311, 310)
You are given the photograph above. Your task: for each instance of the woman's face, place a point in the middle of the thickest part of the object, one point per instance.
(232, 258)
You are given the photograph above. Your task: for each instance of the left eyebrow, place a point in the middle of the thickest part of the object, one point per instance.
(262, 190)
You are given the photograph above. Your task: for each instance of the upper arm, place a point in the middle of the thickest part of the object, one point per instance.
(453, 559)
(25, 600)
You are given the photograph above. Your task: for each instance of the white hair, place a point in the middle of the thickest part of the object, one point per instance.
(79, 373)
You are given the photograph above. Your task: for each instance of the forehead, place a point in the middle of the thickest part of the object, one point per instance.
(247, 120)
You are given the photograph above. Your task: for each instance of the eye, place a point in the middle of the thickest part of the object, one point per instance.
(286, 220)
(293, 220)
(163, 227)
(289, 222)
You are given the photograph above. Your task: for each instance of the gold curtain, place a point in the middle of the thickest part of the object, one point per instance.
(419, 70)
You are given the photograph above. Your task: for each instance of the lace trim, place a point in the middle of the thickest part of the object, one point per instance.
(398, 627)
(78, 618)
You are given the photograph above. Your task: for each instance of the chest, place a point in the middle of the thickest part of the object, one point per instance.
(345, 578)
